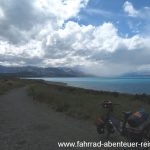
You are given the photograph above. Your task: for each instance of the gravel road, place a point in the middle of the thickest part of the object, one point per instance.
(26, 125)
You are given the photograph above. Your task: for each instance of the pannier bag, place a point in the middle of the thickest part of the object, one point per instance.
(100, 125)
(137, 118)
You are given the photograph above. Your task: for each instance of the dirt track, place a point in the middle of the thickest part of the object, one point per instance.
(26, 125)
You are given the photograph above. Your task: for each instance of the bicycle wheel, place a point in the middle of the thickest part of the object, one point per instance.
(100, 129)
(109, 129)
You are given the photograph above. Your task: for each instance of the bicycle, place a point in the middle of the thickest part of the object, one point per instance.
(112, 124)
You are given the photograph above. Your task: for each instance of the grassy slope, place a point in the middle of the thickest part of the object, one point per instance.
(76, 102)
(7, 84)
(85, 104)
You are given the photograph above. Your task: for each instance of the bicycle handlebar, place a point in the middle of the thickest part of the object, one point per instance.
(108, 104)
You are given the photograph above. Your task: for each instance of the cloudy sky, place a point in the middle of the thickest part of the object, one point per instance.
(99, 36)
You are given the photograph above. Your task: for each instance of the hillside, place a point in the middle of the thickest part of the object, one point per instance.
(29, 71)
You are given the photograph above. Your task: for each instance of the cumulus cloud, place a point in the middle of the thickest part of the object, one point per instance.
(130, 10)
(97, 46)
(39, 32)
(82, 40)
(21, 18)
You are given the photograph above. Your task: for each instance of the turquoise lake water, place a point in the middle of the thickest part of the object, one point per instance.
(123, 85)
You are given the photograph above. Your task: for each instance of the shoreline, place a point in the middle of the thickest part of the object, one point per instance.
(135, 87)
(84, 103)
(56, 83)
(90, 89)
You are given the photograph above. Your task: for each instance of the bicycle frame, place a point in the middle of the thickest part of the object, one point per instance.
(111, 123)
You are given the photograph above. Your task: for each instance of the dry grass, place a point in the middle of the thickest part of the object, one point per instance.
(7, 84)
(85, 104)
(76, 102)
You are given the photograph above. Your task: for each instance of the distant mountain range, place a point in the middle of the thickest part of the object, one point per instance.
(30, 71)
(137, 74)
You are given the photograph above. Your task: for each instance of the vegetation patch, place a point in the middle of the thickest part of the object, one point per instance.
(85, 104)
(7, 84)
(76, 102)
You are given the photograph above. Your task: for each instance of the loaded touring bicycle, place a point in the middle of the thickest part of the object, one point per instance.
(134, 127)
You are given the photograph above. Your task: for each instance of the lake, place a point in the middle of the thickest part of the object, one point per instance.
(123, 85)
